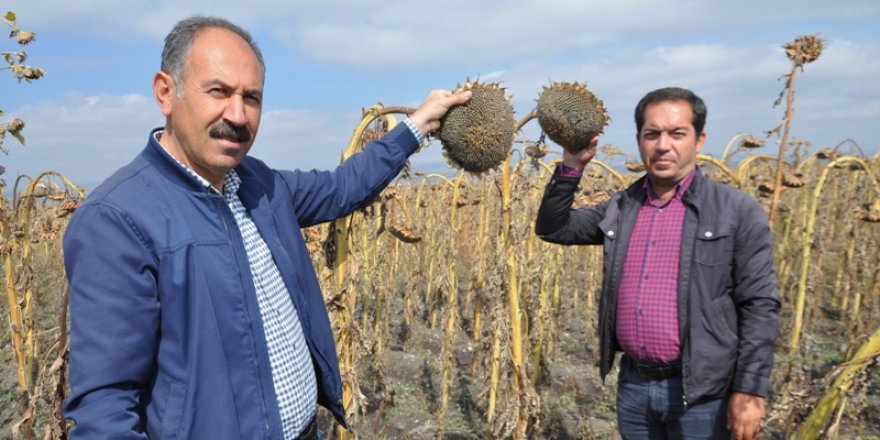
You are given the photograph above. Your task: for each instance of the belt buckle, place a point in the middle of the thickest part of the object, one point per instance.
(656, 372)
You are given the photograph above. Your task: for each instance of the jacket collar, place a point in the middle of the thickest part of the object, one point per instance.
(692, 195)
(172, 169)
(637, 191)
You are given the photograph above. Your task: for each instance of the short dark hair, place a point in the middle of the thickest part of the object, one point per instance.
(698, 107)
(179, 41)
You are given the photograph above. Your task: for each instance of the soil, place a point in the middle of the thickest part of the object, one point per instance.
(401, 390)
(574, 402)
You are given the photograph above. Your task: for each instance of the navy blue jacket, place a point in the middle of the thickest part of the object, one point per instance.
(166, 335)
(727, 299)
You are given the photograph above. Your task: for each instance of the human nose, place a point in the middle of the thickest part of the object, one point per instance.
(664, 142)
(235, 111)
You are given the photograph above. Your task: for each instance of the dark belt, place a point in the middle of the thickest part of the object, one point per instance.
(655, 371)
(310, 432)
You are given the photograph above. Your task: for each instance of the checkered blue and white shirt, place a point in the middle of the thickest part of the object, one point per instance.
(292, 372)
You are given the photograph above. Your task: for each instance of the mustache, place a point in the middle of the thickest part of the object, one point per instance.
(225, 130)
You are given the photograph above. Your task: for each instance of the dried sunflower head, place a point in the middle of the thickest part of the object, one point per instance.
(869, 213)
(804, 49)
(793, 180)
(634, 166)
(827, 153)
(752, 142)
(765, 188)
(15, 126)
(25, 37)
(571, 115)
(536, 151)
(404, 234)
(610, 150)
(478, 135)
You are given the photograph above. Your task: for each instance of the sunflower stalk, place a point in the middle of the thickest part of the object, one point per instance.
(794, 342)
(813, 427)
(803, 50)
(345, 283)
(447, 355)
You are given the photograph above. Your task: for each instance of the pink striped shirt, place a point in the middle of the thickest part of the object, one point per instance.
(647, 304)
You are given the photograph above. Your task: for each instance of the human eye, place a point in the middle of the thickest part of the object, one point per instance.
(216, 89)
(254, 98)
(650, 134)
(217, 92)
(679, 134)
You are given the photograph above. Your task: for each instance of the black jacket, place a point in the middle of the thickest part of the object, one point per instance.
(727, 299)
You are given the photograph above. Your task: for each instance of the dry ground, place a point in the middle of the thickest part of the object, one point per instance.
(402, 395)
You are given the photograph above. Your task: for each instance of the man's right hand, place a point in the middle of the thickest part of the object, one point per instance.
(581, 158)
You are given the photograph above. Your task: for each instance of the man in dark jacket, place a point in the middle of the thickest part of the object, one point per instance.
(195, 310)
(689, 290)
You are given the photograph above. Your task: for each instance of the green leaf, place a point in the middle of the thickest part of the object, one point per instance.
(18, 136)
(10, 16)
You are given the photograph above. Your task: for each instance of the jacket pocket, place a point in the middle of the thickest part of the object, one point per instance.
(715, 343)
(713, 267)
(722, 316)
(714, 244)
(173, 410)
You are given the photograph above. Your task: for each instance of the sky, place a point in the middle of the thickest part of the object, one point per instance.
(326, 61)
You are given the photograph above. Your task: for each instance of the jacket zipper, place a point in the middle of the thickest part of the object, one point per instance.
(226, 214)
(685, 341)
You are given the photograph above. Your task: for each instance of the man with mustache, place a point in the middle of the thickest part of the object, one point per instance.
(195, 309)
(689, 289)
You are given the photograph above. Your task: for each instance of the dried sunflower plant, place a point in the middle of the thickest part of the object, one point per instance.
(31, 224)
(803, 50)
(15, 63)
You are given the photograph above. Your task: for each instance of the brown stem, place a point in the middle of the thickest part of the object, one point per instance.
(789, 113)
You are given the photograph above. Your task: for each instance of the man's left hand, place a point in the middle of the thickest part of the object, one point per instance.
(427, 117)
(744, 415)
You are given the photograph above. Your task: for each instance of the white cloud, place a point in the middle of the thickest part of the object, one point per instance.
(385, 35)
(302, 139)
(83, 137)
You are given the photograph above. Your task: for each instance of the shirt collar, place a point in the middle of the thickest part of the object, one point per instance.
(680, 188)
(231, 181)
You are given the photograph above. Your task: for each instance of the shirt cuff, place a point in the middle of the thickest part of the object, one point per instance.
(567, 171)
(414, 130)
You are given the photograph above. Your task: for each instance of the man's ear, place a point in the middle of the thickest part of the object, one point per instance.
(701, 140)
(164, 90)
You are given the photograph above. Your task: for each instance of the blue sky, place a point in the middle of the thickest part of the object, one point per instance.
(327, 60)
